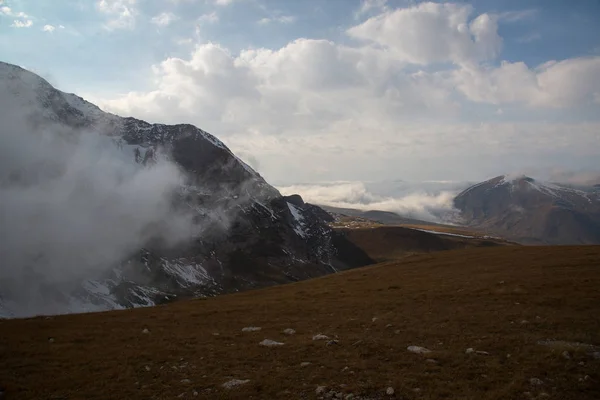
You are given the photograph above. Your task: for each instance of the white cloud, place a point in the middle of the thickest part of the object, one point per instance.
(284, 19)
(121, 13)
(48, 28)
(224, 2)
(341, 112)
(433, 33)
(209, 17)
(164, 19)
(566, 83)
(23, 21)
(371, 5)
(515, 16)
(414, 202)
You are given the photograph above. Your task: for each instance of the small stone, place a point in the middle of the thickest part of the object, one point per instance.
(470, 350)
(581, 363)
(543, 395)
(357, 343)
(536, 382)
(350, 397)
(186, 381)
(215, 333)
(389, 391)
(181, 395)
(270, 343)
(320, 390)
(51, 340)
(332, 342)
(397, 331)
(145, 330)
(251, 329)
(566, 355)
(195, 394)
(389, 325)
(305, 364)
(523, 322)
(417, 390)
(418, 349)
(345, 368)
(343, 385)
(339, 395)
(431, 361)
(289, 331)
(320, 337)
(147, 368)
(374, 319)
(235, 382)
(508, 355)
(482, 353)
(596, 355)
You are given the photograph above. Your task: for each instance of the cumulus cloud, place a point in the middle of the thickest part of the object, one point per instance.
(553, 84)
(48, 28)
(164, 19)
(410, 202)
(23, 20)
(378, 99)
(121, 13)
(433, 33)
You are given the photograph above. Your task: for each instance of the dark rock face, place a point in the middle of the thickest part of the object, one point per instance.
(267, 239)
(529, 211)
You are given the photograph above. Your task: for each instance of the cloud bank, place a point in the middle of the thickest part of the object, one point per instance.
(425, 201)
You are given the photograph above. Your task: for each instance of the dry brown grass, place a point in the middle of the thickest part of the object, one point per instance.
(447, 302)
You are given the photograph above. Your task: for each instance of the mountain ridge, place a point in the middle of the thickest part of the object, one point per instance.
(252, 236)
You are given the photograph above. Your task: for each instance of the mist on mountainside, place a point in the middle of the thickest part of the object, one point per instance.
(73, 204)
(429, 201)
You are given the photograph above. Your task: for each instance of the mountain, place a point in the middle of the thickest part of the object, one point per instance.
(530, 211)
(252, 236)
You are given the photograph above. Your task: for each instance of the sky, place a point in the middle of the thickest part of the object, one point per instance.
(318, 91)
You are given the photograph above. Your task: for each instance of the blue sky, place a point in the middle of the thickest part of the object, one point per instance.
(325, 90)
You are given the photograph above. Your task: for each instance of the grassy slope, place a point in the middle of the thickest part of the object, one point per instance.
(447, 302)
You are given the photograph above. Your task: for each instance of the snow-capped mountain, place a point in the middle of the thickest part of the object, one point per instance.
(248, 235)
(531, 211)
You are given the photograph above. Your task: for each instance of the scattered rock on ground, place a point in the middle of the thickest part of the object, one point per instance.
(251, 329)
(332, 342)
(305, 364)
(145, 330)
(270, 343)
(289, 331)
(147, 368)
(418, 349)
(482, 353)
(470, 350)
(389, 391)
(235, 382)
(320, 337)
(566, 355)
(431, 361)
(536, 382)
(186, 381)
(320, 390)
(51, 340)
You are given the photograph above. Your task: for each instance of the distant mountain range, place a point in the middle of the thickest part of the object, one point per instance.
(519, 209)
(529, 211)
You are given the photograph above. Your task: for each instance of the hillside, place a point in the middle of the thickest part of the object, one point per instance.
(530, 312)
(533, 212)
(387, 243)
(83, 177)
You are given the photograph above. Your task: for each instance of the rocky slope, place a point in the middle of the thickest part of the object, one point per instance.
(267, 238)
(524, 209)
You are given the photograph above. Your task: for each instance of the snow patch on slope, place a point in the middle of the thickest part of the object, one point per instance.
(299, 225)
